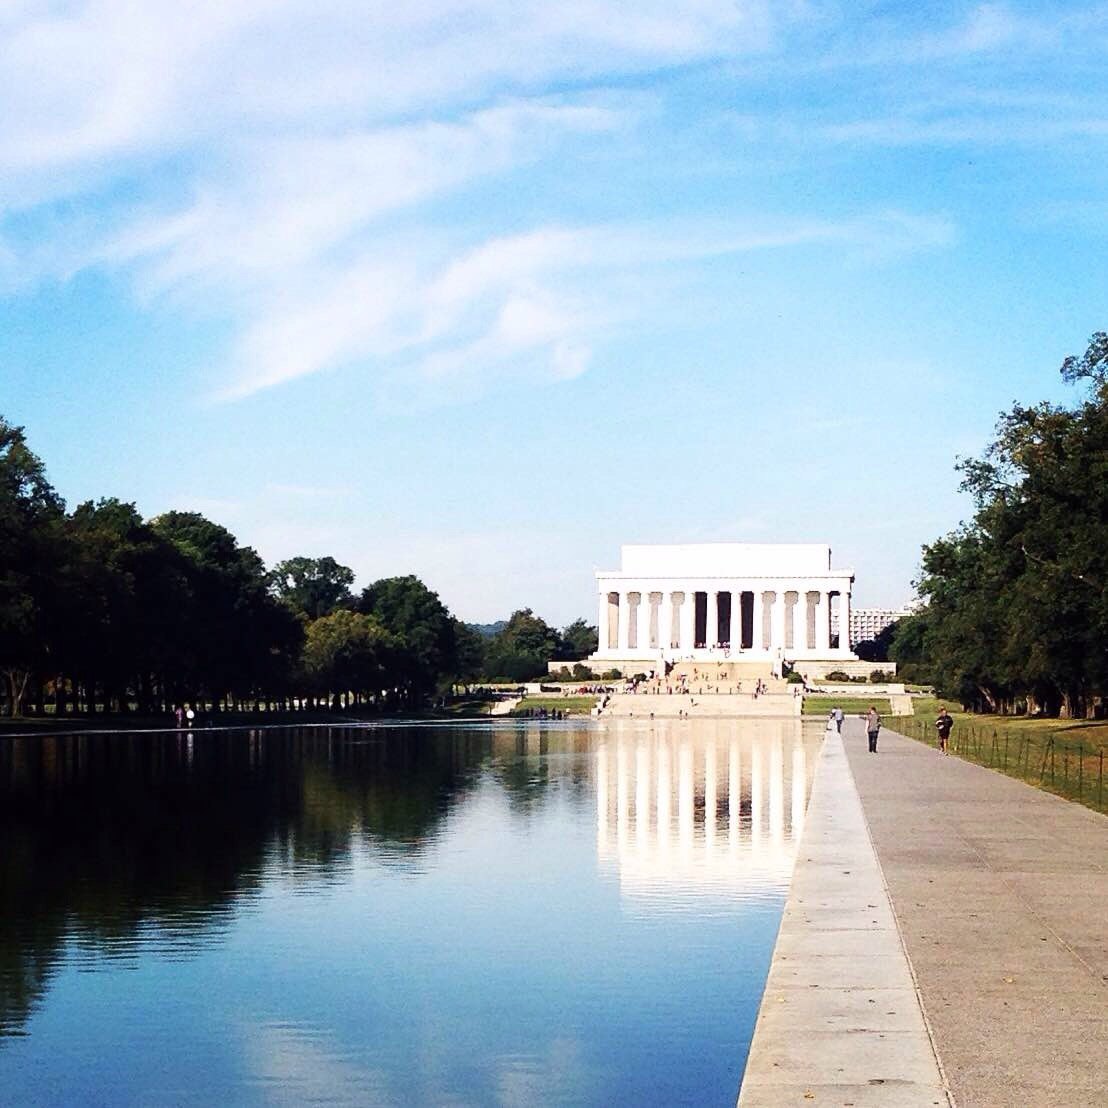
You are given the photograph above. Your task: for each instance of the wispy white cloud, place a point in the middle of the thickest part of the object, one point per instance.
(290, 173)
(925, 127)
(985, 28)
(119, 78)
(533, 303)
(288, 201)
(979, 32)
(250, 162)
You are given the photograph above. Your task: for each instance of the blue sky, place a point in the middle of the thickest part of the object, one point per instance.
(480, 291)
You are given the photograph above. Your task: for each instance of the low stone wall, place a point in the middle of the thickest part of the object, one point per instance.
(841, 688)
(627, 667)
(813, 671)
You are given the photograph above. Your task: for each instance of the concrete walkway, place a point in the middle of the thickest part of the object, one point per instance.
(840, 1021)
(505, 707)
(1001, 895)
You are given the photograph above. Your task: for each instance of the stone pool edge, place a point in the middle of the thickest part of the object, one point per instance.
(840, 1020)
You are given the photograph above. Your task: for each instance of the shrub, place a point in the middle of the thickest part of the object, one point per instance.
(879, 677)
(836, 675)
(794, 678)
(611, 675)
(581, 673)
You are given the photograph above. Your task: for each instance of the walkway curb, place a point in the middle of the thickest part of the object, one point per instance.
(840, 1020)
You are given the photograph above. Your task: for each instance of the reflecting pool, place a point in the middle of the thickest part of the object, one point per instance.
(488, 913)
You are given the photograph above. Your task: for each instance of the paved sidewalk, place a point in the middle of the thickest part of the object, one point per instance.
(840, 1020)
(1001, 894)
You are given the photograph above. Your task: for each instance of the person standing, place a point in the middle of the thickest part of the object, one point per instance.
(873, 728)
(837, 713)
(943, 724)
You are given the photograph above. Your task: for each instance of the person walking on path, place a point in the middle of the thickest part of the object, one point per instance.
(873, 726)
(943, 724)
(837, 715)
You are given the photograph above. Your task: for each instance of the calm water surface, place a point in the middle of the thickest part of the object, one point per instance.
(488, 913)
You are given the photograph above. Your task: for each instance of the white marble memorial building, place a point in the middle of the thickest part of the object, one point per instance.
(722, 602)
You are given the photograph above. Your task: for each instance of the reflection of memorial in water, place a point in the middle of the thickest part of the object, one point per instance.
(711, 807)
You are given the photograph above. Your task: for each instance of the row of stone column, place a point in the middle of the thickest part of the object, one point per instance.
(650, 620)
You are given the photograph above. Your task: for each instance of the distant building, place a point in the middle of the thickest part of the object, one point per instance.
(716, 602)
(868, 623)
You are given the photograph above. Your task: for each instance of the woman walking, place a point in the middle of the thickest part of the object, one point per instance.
(873, 727)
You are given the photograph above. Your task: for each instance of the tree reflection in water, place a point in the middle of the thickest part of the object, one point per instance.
(111, 838)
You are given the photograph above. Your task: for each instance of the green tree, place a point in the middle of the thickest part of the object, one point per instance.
(313, 587)
(1017, 611)
(31, 551)
(530, 634)
(1092, 366)
(908, 647)
(124, 598)
(469, 653)
(423, 628)
(578, 640)
(877, 648)
(235, 638)
(349, 652)
(522, 649)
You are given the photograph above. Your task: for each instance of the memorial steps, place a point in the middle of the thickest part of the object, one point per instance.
(696, 705)
(729, 673)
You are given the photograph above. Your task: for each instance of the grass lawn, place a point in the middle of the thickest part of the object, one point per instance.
(852, 705)
(1090, 732)
(1063, 756)
(576, 705)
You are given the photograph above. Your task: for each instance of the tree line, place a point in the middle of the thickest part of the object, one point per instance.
(1015, 617)
(102, 610)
